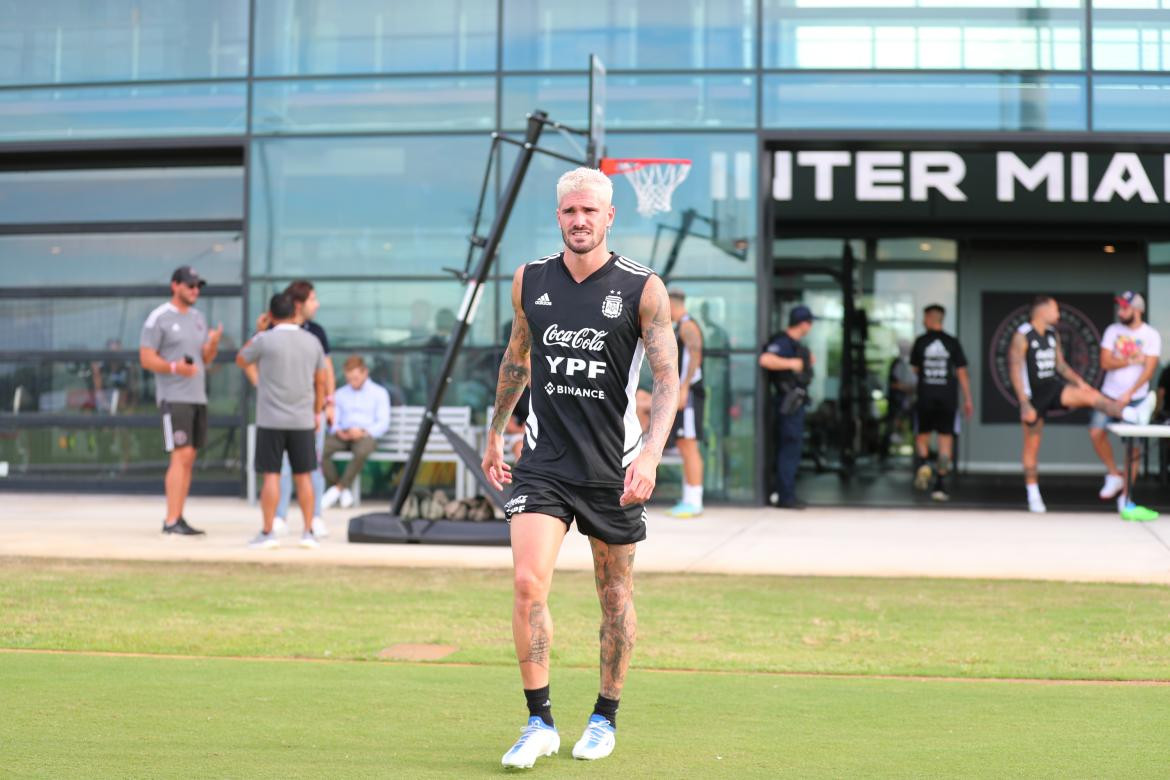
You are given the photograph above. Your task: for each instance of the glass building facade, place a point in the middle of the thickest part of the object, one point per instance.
(345, 141)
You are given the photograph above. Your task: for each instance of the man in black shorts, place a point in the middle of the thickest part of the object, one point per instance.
(290, 393)
(938, 360)
(176, 345)
(1044, 382)
(584, 319)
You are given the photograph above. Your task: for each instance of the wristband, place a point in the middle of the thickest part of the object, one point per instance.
(172, 366)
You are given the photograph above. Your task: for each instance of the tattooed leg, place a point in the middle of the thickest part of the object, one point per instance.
(1031, 454)
(613, 571)
(536, 540)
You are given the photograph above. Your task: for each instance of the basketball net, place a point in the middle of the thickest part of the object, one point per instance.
(654, 180)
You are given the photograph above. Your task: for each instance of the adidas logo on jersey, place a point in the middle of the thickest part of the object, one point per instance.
(544, 300)
(936, 350)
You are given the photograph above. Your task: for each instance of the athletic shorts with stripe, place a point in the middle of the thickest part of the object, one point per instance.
(688, 423)
(183, 425)
(595, 508)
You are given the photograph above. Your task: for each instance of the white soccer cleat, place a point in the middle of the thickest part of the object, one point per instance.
(537, 740)
(308, 541)
(329, 498)
(598, 740)
(346, 498)
(1037, 505)
(279, 527)
(320, 530)
(1113, 485)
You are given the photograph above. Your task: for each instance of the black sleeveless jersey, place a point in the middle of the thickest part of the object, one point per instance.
(587, 352)
(1040, 359)
(684, 357)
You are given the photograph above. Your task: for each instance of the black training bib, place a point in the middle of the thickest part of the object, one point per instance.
(587, 352)
(1040, 358)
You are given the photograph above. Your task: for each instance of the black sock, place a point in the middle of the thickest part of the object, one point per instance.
(539, 704)
(606, 708)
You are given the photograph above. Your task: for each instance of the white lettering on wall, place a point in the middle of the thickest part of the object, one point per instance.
(822, 164)
(1125, 177)
(895, 176)
(942, 171)
(1009, 169)
(879, 176)
(1079, 178)
(782, 176)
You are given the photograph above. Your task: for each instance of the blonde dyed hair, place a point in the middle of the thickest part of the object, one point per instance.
(580, 179)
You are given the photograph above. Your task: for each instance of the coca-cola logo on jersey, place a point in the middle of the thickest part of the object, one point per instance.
(591, 339)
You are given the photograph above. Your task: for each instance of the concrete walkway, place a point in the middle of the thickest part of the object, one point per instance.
(834, 542)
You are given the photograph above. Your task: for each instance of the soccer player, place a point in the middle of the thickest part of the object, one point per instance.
(688, 425)
(290, 364)
(1129, 355)
(176, 345)
(584, 319)
(1043, 382)
(938, 360)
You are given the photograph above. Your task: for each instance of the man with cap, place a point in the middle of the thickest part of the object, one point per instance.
(789, 365)
(1129, 354)
(176, 345)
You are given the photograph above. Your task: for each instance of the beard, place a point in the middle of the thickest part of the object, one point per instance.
(1126, 320)
(589, 247)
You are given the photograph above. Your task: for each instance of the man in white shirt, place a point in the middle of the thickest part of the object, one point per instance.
(1129, 354)
(363, 415)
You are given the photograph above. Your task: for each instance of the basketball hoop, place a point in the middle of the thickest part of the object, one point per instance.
(653, 179)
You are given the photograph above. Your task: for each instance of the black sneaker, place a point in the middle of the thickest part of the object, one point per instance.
(939, 493)
(180, 528)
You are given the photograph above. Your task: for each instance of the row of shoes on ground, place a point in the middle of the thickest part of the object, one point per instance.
(421, 505)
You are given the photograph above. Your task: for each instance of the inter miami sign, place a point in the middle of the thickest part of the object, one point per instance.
(923, 181)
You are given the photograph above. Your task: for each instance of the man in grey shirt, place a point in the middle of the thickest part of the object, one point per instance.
(176, 345)
(291, 378)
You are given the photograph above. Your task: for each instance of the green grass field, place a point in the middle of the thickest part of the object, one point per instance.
(270, 671)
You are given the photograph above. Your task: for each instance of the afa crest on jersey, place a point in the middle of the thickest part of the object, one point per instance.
(612, 305)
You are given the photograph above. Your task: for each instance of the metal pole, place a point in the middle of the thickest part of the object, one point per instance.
(536, 123)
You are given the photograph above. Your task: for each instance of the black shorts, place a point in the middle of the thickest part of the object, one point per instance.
(688, 423)
(936, 415)
(272, 443)
(1046, 398)
(184, 425)
(596, 509)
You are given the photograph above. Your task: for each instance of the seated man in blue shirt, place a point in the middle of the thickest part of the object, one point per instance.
(363, 415)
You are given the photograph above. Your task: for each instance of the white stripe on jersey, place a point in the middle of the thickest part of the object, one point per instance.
(543, 260)
(531, 425)
(631, 269)
(632, 445)
(639, 266)
(158, 312)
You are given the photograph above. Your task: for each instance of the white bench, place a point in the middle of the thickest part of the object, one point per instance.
(396, 444)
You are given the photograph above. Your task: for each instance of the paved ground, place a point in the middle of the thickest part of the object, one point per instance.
(838, 541)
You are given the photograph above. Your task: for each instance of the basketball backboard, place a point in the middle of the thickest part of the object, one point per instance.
(732, 217)
(596, 148)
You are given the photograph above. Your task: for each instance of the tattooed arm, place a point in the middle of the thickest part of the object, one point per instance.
(1064, 370)
(662, 355)
(514, 372)
(1017, 371)
(692, 339)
